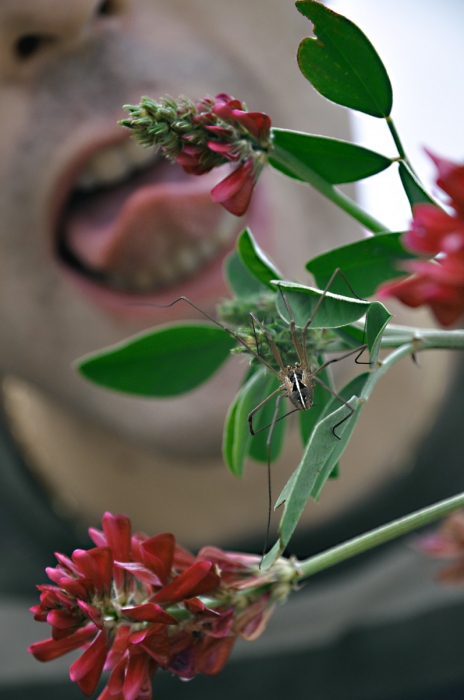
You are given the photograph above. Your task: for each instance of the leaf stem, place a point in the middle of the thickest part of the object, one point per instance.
(378, 536)
(399, 145)
(308, 175)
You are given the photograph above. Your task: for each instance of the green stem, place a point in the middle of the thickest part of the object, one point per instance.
(396, 139)
(307, 174)
(378, 536)
(399, 146)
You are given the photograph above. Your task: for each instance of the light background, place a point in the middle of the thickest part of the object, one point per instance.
(421, 43)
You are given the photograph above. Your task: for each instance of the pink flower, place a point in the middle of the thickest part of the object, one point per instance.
(438, 284)
(447, 543)
(133, 604)
(205, 135)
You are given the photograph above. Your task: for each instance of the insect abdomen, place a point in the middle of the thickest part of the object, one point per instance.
(300, 390)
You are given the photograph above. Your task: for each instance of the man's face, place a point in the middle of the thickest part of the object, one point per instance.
(91, 224)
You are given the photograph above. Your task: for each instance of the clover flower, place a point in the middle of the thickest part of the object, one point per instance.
(205, 135)
(135, 604)
(437, 283)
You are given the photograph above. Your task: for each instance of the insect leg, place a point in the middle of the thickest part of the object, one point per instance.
(296, 343)
(269, 487)
(342, 400)
(260, 405)
(336, 272)
(359, 350)
(224, 328)
(270, 340)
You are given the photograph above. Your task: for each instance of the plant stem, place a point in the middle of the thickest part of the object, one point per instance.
(399, 145)
(307, 174)
(378, 536)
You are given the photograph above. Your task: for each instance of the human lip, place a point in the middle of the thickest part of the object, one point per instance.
(132, 227)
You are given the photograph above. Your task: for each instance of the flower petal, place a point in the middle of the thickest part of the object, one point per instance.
(149, 612)
(199, 578)
(87, 669)
(234, 192)
(49, 649)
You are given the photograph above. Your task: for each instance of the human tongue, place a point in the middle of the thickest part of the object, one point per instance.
(142, 232)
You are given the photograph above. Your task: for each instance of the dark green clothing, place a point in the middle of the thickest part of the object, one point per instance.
(374, 628)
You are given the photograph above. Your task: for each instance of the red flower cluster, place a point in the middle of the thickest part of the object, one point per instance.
(205, 135)
(234, 192)
(437, 283)
(447, 543)
(132, 604)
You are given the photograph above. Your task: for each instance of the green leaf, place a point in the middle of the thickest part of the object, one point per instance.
(366, 264)
(334, 160)
(309, 419)
(413, 187)
(228, 435)
(258, 447)
(342, 64)
(255, 260)
(334, 311)
(352, 335)
(377, 319)
(353, 388)
(242, 283)
(237, 437)
(319, 450)
(168, 361)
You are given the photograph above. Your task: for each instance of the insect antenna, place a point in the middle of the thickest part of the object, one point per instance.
(217, 323)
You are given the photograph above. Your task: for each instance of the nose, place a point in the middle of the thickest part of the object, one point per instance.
(32, 31)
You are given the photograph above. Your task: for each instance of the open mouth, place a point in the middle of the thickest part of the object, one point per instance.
(134, 224)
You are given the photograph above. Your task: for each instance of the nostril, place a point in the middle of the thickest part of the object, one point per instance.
(108, 7)
(28, 45)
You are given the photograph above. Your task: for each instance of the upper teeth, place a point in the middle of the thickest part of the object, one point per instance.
(114, 164)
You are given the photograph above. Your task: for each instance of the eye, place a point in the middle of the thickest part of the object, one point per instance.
(30, 44)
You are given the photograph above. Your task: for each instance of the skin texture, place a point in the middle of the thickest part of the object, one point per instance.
(158, 461)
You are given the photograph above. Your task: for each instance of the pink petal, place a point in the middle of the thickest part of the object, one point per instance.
(136, 675)
(149, 612)
(158, 554)
(97, 537)
(198, 579)
(234, 192)
(211, 656)
(139, 571)
(63, 619)
(86, 671)
(96, 564)
(49, 649)
(257, 123)
(117, 529)
(91, 612)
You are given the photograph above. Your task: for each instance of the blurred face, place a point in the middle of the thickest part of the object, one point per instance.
(91, 224)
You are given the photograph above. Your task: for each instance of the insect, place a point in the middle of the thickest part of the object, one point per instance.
(296, 381)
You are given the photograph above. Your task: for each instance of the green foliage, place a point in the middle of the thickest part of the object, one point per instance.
(353, 388)
(322, 452)
(334, 311)
(415, 191)
(258, 449)
(241, 281)
(377, 319)
(321, 397)
(334, 160)
(342, 64)
(238, 442)
(256, 260)
(366, 264)
(168, 361)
